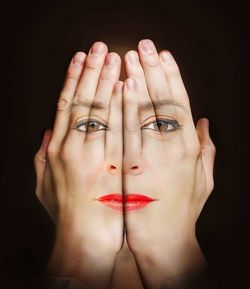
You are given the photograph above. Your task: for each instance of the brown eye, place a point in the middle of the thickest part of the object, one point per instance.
(90, 126)
(163, 125)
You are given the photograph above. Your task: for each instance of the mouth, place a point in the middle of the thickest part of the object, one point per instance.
(128, 203)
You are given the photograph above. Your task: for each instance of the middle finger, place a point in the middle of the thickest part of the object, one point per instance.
(87, 86)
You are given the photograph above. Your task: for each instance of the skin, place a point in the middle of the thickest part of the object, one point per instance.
(79, 169)
(174, 167)
(74, 168)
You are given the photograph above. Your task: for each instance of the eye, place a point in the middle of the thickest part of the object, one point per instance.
(90, 126)
(162, 125)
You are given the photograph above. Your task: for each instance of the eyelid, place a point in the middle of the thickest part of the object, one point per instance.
(167, 120)
(86, 121)
(92, 117)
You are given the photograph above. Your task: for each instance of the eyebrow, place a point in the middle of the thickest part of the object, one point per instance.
(143, 106)
(96, 105)
(148, 105)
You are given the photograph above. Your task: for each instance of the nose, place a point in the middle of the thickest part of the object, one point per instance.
(129, 166)
(133, 165)
(113, 168)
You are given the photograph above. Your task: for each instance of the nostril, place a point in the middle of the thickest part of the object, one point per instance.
(113, 169)
(134, 167)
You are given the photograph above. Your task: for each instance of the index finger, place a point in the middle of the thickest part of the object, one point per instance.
(173, 77)
(66, 98)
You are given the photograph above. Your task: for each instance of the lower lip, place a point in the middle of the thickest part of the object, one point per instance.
(132, 202)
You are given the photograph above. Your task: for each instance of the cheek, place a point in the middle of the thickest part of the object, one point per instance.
(162, 154)
(93, 155)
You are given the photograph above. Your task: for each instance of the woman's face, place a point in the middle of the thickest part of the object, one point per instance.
(161, 149)
(160, 160)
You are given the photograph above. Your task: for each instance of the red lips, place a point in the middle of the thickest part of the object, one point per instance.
(131, 202)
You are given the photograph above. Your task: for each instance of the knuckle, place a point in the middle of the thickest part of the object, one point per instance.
(71, 74)
(152, 62)
(92, 63)
(212, 148)
(52, 150)
(81, 96)
(66, 153)
(38, 159)
(63, 103)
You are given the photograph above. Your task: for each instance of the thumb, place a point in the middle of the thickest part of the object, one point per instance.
(40, 156)
(208, 151)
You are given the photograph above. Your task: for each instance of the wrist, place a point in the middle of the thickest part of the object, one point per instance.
(74, 256)
(170, 259)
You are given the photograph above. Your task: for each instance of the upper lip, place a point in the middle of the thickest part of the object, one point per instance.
(127, 202)
(127, 198)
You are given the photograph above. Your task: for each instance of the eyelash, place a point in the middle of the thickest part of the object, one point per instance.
(87, 122)
(172, 122)
(167, 121)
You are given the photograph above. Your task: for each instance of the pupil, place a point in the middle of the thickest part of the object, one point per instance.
(161, 126)
(91, 125)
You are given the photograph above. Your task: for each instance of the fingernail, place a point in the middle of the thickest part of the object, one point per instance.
(78, 58)
(111, 59)
(133, 57)
(166, 56)
(98, 48)
(130, 83)
(148, 46)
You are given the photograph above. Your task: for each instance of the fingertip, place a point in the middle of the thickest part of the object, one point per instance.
(131, 55)
(98, 47)
(202, 122)
(205, 120)
(79, 58)
(147, 46)
(112, 58)
(166, 56)
(115, 54)
(144, 41)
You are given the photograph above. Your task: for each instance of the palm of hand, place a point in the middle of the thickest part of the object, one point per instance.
(173, 167)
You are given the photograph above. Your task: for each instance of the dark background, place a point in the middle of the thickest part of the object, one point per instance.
(209, 40)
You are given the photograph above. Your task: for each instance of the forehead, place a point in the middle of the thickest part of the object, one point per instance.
(143, 105)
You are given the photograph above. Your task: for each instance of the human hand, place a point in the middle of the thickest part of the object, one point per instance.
(168, 160)
(83, 162)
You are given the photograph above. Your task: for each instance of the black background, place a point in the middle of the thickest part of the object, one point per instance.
(209, 40)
